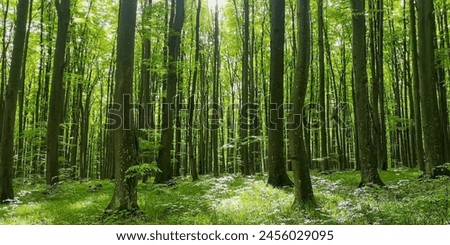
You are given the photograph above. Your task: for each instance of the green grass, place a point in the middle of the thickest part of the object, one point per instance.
(233, 199)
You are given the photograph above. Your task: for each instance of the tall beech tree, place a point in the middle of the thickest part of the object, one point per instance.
(56, 106)
(433, 138)
(244, 129)
(10, 106)
(275, 152)
(124, 132)
(416, 87)
(377, 95)
(165, 156)
(215, 96)
(299, 157)
(323, 109)
(369, 166)
(193, 89)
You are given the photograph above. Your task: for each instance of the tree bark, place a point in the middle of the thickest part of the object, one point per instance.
(124, 135)
(376, 51)
(10, 106)
(323, 127)
(5, 45)
(297, 151)
(191, 105)
(55, 114)
(369, 171)
(433, 141)
(215, 104)
(246, 169)
(276, 156)
(164, 156)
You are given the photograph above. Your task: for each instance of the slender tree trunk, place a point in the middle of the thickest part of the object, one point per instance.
(5, 45)
(245, 94)
(55, 114)
(409, 108)
(369, 172)
(167, 134)
(144, 90)
(203, 134)
(446, 31)
(146, 117)
(215, 103)
(323, 129)
(177, 156)
(433, 141)
(276, 158)
(77, 96)
(22, 117)
(441, 83)
(343, 124)
(12, 89)
(297, 149)
(191, 105)
(84, 133)
(109, 164)
(376, 51)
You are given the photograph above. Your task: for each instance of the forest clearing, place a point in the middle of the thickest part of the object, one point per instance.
(224, 112)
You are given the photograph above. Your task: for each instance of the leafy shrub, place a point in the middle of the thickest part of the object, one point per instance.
(141, 170)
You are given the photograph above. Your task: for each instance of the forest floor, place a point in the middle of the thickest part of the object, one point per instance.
(233, 199)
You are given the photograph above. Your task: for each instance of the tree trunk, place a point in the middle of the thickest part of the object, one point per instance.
(55, 114)
(245, 95)
(215, 104)
(146, 117)
(21, 151)
(109, 163)
(276, 158)
(297, 150)
(77, 103)
(323, 127)
(145, 81)
(10, 106)
(369, 172)
(191, 105)
(124, 135)
(84, 133)
(167, 134)
(441, 82)
(376, 51)
(433, 141)
(3, 60)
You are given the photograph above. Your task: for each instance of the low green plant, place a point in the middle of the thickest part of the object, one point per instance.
(235, 199)
(142, 170)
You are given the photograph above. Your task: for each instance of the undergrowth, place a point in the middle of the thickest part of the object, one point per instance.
(233, 199)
